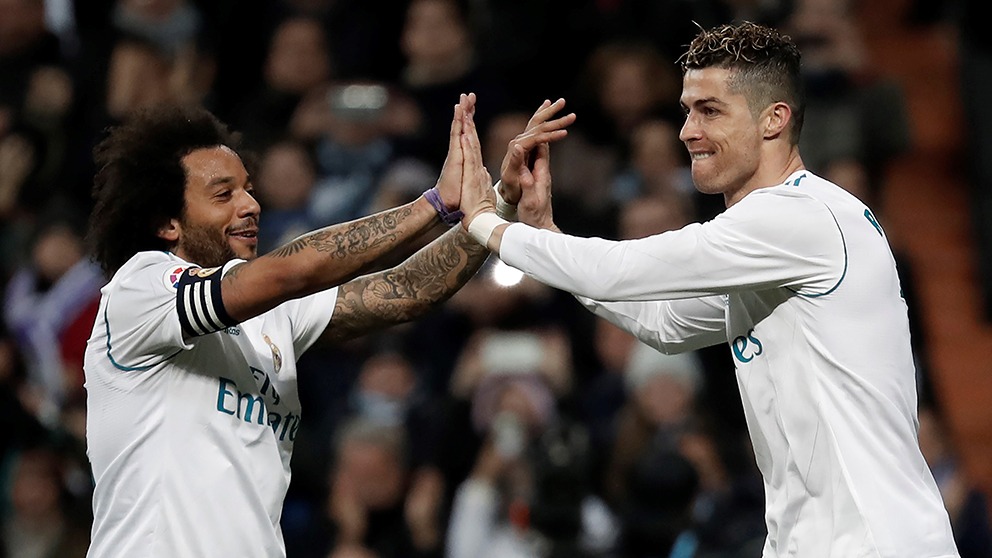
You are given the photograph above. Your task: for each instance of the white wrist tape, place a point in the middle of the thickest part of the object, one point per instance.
(482, 227)
(504, 209)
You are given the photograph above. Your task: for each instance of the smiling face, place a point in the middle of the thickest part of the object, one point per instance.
(724, 139)
(220, 218)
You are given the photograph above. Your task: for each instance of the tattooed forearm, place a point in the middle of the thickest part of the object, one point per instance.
(363, 236)
(408, 290)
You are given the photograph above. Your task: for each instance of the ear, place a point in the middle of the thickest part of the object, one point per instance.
(776, 120)
(170, 231)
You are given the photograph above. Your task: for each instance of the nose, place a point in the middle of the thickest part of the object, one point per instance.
(690, 129)
(247, 205)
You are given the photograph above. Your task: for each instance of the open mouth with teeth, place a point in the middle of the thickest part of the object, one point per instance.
(699, 156)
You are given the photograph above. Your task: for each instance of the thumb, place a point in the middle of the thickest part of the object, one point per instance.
(515, 158)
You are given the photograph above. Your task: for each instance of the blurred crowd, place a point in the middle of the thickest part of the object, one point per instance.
(509, 423)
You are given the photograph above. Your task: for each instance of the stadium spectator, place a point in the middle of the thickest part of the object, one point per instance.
(376, 500)
(51, 306)
(441, 61)
(529, 492)
(285, 183)
(298, 64)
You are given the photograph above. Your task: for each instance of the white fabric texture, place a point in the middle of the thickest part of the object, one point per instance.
(190, 441)
(799, 279)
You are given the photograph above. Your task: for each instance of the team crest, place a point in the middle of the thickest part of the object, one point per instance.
(172, 277)
(204, 272)
(276, 355)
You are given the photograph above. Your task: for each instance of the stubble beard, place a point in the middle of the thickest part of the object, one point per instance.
(204, 246)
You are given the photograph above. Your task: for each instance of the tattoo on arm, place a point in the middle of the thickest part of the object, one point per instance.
(352, 238)
(408, 290)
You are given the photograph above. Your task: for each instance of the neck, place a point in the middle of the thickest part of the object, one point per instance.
(773, 169)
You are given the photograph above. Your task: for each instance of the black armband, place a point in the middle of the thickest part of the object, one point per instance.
(198, 300)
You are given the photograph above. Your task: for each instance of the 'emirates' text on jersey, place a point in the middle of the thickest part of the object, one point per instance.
(190, 440)
(800, 281)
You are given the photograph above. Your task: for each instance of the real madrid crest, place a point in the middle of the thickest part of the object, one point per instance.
(276, 355)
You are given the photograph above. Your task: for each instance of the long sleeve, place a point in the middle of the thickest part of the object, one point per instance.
(774, 237)
(674, 326)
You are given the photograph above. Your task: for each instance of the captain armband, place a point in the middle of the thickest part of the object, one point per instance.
(201, 309)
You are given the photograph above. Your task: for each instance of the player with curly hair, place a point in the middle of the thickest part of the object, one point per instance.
(796, 275)
(192, 404)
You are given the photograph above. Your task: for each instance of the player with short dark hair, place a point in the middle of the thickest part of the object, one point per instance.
(796, 275)
(192, 404)
(765, 67)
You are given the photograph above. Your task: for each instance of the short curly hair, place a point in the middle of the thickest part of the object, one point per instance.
(140, 183)
(765, 66)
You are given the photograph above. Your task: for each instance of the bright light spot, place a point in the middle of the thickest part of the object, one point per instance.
(506, 276)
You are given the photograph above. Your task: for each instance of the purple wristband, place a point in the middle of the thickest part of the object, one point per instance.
(449, 217)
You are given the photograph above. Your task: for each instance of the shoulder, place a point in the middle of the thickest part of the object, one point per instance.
(149, 271)
(780, 206)
(785, 215)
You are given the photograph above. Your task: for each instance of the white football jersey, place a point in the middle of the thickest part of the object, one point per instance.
(190, 440)
(799, 279)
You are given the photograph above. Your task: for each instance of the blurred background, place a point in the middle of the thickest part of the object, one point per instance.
(511, 422)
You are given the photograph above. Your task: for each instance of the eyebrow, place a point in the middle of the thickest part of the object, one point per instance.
(704, 101)
(226, 180)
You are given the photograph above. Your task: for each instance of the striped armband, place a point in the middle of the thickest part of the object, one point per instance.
(198, 300)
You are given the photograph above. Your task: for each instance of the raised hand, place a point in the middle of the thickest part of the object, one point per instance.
(534, 207)
(477, 191)
(515, 172)
(449, 184)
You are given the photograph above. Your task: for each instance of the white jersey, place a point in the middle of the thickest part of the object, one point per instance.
(190, 440)
(799, 279)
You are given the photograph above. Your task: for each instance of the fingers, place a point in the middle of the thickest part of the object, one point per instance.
(516, 157)
(467, 103)
(539, 131)
(547, 133)
(542, 164)
(454, 143)
(470, 141)
(545, 111)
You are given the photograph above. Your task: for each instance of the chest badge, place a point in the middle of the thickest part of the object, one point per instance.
(276, 355)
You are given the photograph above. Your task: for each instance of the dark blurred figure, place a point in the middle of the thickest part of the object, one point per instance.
(18, 161)
(22, 428)
(529, 492)
(298, 63)
(662, 392)
(630, 82)
(170, 26)
(851, 115)
(966, 505)
(976, 90)
(657, 518)
(37, 525)
(25, 44)
(142, 77)
(50, 306)
(656, 167)
(376, 500)
(624, 85)
(284, 185)
(441, 62)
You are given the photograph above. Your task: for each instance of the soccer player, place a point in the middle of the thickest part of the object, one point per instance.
(191, 367)
(796, 275)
